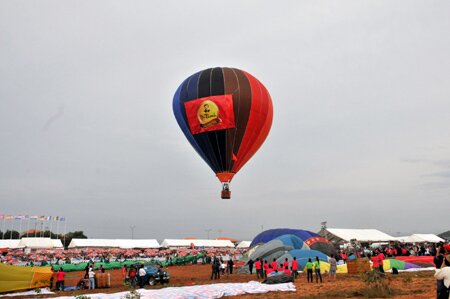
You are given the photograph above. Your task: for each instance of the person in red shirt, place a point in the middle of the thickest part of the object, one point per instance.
(60, 279)
(294, 267)
(286, 263)
(266, 268)
(274, 264)
(375, 262)
(343, 256)
(258, 268)
(380, 261)
(124, 274)
(285, 269)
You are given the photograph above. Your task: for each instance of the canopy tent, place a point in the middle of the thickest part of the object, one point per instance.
(340, 235)
(114, 243)
(37, 243)
(227, 238)
(10, 244)
(420, 238)
(57, 243)
(244, 244)
(169, 243)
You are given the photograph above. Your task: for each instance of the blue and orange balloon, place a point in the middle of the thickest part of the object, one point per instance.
(226, 114)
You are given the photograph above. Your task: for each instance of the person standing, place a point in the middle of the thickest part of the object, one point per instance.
(442, 276)
(215, 268)
(60, 279)
(294, 268)
(266, 268)
(132, 276)
(91, 275)
(258, 268)
(250, 265)
(274, 265)
(309, 270)
(286, 264)
(230, 265)
(141, 276)
(375, 262)
(124, 274)
(317, 270)
(380, 261)
(333, 268)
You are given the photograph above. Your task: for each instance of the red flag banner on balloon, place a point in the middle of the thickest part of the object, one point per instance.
(210, 113)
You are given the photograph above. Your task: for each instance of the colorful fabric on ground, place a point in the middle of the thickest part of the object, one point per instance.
(202, 291)
(325, 268)
(15, 278)
(416, 259)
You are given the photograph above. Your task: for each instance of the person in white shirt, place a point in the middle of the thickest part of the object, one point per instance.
(444, 274)
(91, 275)
(142, 274)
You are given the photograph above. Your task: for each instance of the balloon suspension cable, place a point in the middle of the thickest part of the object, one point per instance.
(226, 193)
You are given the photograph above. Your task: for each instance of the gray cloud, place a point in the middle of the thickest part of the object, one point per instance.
(87, 129)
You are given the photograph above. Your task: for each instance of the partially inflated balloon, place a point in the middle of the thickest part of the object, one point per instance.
(226, 114)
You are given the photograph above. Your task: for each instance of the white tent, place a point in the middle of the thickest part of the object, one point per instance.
(36, 243)
(114, 243)
(57, 243)
(144, 243)
(340, 235)
(244, 244)
(169, 243)
(420, 238)
(10, 244)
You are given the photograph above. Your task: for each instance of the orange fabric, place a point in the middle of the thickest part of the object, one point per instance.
(225, 177)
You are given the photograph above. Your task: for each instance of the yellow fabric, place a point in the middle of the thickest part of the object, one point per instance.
(325, 268)
(15, 278)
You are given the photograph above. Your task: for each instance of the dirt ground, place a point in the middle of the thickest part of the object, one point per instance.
(405, 285)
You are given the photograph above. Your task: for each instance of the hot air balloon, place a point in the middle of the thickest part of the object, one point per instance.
(226, 114)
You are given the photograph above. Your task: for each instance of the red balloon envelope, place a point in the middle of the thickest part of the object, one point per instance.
(226, 114)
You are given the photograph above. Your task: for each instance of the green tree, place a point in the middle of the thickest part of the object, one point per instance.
(7, 235)
(72, 235)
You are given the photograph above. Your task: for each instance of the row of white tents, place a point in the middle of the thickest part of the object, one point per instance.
(339, 235)
(47, 243)
(335, 235)
(34, 243)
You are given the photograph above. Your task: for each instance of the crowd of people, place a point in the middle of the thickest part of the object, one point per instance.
(388, 250)
(75, 256)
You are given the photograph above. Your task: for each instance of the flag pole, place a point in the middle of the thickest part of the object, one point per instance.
(12, 227)
(20, 226)
(51, 226)
(4, 226)
(65, 228)
(28, 224)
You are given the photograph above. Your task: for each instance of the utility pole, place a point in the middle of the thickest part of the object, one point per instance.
(208, 231)
(132, 227)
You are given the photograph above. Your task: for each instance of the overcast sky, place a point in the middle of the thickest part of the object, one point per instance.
(360, 137)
